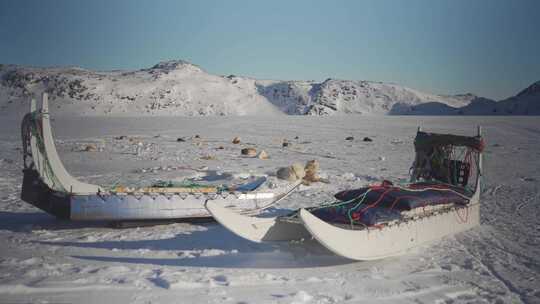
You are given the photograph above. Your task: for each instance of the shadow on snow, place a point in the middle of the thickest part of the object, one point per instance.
(211, 246)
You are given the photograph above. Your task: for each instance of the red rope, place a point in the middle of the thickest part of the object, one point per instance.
(378, 200)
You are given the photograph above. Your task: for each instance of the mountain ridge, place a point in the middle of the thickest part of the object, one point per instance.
(180, 88)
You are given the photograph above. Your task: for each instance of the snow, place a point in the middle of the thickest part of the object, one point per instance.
(46, 260)
(526, 102)
(180, 88)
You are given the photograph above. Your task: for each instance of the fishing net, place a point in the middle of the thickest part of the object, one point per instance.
(448, 159)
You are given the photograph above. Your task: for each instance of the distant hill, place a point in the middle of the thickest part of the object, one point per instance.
(180, 88)
(526, 102)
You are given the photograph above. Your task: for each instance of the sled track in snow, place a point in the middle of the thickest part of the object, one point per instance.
(484, 263)
(496, 263)
(527, 202)
(501, 247)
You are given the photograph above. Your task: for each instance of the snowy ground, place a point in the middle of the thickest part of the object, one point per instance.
(46, 260)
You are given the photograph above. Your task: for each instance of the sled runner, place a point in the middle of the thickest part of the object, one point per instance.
(48, 186)
(378, 221)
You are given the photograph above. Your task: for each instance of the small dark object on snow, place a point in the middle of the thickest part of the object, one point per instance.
(251, 152)
(367, 139)
(180, 139)
(121, 137)
(91, 148)
(285, 144)
(296, 137)
(220, 148)
(196, 136)
(349, 138)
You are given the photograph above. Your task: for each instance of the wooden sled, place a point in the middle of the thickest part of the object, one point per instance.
(48, 186)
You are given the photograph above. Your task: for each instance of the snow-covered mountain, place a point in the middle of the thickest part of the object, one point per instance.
(334, 96)
(168, 88)
(180, 88)
(526, 102)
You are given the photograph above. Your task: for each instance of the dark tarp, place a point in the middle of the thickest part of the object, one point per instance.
(425, 141)
(403, 199)
(379, 204)
(368, 217)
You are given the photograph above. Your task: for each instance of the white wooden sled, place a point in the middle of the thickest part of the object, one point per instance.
(359, 243)
(48, 186)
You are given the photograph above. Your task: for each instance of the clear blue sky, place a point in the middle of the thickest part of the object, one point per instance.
(488, 47)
